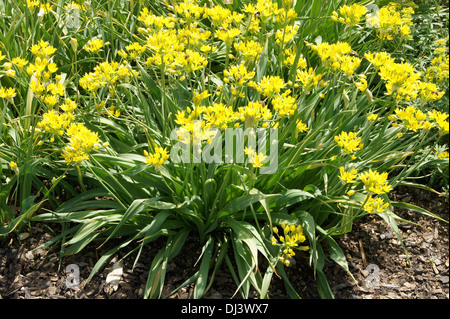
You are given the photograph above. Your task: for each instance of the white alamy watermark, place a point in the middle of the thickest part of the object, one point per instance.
(73, 276)
(372, 16)
(231, 145)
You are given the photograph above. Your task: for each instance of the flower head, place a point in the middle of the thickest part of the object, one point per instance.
(290, 240)
(349, 142)
(375, 182)
(158, 157)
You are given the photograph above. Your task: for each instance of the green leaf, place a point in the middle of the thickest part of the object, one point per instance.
(239, 204)
(336, 253)
(416, 209)
(309, 228)
(202, 278)
(293, 196)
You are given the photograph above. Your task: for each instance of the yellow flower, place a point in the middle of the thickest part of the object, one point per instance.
(443, 155)
(270, 84)
(252, 113)
(301, 127)
(238, 75)
(94, 45)
(55, 123)
(411, 118)
(254, 158)
(372, 117)
(441, 120)
(228, 35)
(135, 49)
(375, 205)
(336, 56)
(351, 15)
(81, 142)
(43, 49)
(307, 79)
(375, 182)
(69, 106)
(362, 84)
(291, 239)
(8, 93)
(14, 167)
(218, 115)
(429, 92)
(349, 142)
(348, 177)
(191, 61)
(285, 35)
(157, 158)
(199, 97)
(379, 58)
(394, 20)
(106, 74)
(284, 104)
(250, 50)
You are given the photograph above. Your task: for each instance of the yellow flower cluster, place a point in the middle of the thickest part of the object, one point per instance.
(348, 177)
(158, 157)
(8, 93)
(414, 119)
(269, 85)
(301, 127)
(178, 50)
(337, 56)
(94, 45)
(249, 50)
(308, 80)
(375, 205)
(289, 58)
(55, 123)
(438, 71)
(394, 20)
(350, 15)
(285, 35)
(213, 116)
(443, 155)
(375, 182)
(349, 142)
(402, 80)
(81, 142)
(284, 104)
(133, 50)
(106, 74)
(289, 241)
(218, 116)
(254, 158)
(237, 76)
(440, 120)
(253, 113)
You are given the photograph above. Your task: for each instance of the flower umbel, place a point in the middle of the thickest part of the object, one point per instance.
(290, 240)
(157, 158)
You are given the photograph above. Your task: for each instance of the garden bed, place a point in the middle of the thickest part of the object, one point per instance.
(26, 273)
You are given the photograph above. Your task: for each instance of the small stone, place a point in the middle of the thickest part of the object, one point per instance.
(443, 279)
(52, 290)
(23, 236)
(29, 255)
(216, 295)
(428, 237)
(409, 285)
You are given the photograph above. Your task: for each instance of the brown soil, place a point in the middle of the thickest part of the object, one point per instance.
(375, 257)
